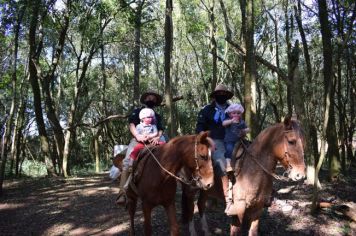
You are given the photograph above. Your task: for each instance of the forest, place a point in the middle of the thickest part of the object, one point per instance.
(72, 71)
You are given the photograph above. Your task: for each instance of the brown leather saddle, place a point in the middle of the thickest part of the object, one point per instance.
(238, 154)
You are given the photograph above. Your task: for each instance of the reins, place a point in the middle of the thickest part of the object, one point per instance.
(277, 177)
(170, 173)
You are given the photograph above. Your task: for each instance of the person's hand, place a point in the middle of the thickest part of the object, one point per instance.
(154, 140)
(141, 138)
(244, 132)
(235, 119)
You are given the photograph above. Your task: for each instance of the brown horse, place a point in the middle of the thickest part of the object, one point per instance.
(284, 143)
(155, 179)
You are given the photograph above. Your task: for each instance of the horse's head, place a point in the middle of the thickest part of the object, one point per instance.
(291, 153)
(202, 166)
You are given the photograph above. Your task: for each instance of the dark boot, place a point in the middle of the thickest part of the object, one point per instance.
(121, 199)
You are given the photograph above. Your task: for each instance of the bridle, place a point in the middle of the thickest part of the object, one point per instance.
(194, 180)
(286, 156)
(197, 178)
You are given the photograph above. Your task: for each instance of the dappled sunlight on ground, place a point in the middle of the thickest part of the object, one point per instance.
(86, 206)
(10, 206)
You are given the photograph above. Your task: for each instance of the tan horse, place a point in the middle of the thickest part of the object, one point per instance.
(156, 182)
(284, 143)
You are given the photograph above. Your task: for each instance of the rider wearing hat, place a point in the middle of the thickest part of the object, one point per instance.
(150, 100)
(211, 118)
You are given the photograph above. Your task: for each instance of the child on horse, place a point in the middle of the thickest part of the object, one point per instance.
(147, 129)
(235, 129)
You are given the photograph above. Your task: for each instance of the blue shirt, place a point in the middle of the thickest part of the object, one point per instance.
(206, 122)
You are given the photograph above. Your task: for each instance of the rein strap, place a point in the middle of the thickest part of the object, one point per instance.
(277, 177)
(165, 170)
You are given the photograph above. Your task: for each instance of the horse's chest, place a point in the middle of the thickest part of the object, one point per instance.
(250, 194)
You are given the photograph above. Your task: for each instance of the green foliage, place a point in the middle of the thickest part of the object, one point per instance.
(89, 168)
(5, 81)
(33, 168)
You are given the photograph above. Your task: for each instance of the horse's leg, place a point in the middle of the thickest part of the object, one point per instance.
(147, 209)
(254, 221)
(203, 196)
(188, 208)
(192, 231)
(171, 213)
(235, 227)
(253, 231)
(131, 207)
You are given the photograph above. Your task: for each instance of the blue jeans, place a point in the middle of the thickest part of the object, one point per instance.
(219, 159)
(229, 148)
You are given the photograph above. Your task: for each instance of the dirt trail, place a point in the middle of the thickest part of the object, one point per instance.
(85, 206)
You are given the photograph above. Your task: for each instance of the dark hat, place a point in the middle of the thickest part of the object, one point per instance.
(222, 88)
(158, 97)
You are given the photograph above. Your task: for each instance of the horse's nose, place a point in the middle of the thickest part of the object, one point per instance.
(207, 186)
(299, 176)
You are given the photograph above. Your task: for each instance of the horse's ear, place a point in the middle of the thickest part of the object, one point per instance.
(288, 122)
(202, 136)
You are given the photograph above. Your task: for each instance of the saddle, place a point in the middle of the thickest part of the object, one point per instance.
(238, 154)
(139, 164)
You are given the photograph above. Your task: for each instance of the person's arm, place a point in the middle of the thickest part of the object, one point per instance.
(154, 132)
(135, 133)
(202, 122)
(227, 122)
(155, 136)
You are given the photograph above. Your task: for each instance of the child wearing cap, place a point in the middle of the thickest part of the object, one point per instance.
(146, 129)
(235, 129)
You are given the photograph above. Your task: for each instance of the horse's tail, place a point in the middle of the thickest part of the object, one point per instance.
(187, 204)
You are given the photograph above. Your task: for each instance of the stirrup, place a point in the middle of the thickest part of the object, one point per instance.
(121, 199)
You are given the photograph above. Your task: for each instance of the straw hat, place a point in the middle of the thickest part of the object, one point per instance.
(158, 97)
(222, 88)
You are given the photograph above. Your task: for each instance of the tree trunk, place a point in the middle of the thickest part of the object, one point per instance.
(291, 62)
(213, 46)
(312, 145)
(250, 70)
(328, 84)
(279, 82)
(37, 100)
(168, 35)
(50, 104)
(18, 127)
(137, 47)
(331, 135)
(9, 122)
(97, 156)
